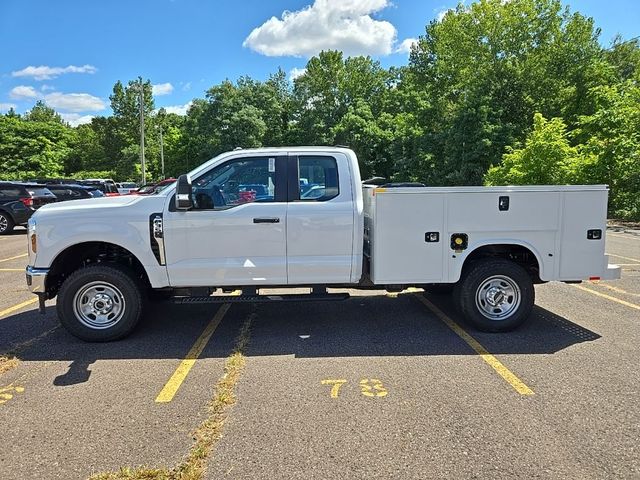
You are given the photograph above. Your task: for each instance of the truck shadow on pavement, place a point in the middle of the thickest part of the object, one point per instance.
(369, 325)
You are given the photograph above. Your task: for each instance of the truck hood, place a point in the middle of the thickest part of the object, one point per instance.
(99, 205)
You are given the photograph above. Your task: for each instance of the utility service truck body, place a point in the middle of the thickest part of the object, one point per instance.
(301, 217)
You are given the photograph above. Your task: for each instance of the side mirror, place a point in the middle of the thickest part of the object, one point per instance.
(183, 193)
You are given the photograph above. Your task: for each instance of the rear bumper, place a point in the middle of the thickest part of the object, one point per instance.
(612, 272)
(37, 279)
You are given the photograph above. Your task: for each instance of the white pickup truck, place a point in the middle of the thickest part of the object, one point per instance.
(301, 217)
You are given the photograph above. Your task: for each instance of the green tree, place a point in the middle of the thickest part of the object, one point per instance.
(486, 68)
(611, 138)
(42, 113)
(30, 149)
(547, 158)
(124, 129)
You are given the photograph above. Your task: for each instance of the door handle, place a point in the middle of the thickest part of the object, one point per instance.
(266, 220)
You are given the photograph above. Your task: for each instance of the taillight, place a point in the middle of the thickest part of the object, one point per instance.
(34, 243)
(28, 201)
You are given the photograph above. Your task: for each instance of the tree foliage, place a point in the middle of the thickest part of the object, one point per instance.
(547, 158)
(459, 113)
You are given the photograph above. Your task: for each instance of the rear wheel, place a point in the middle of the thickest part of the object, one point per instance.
(6, 223)
(495, 295)
(100, 303)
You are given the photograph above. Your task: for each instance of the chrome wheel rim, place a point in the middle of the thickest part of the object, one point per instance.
(4, 223)
(498, 297)
(99, 305)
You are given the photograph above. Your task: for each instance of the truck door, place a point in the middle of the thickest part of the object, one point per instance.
(235, 234)
(320, 219)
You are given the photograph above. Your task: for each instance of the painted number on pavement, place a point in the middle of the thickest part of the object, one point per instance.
(369, 387)
(6, 393)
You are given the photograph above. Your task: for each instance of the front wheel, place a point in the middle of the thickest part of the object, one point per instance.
(495, 295)
(100, 303)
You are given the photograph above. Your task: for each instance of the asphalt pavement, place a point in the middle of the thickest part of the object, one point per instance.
(378, 386)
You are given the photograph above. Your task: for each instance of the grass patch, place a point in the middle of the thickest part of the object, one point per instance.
(7, 362)
(209, 431)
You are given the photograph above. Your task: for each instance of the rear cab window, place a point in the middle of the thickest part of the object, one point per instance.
(317, 178)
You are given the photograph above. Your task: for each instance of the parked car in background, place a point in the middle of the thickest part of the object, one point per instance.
(51, 181)
(64, 193)
(18, 201)
(106, 186)
(152, 188)
(126, 188)
(316, 191)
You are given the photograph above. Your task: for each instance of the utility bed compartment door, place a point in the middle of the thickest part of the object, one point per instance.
(400, 253)
(582, 257)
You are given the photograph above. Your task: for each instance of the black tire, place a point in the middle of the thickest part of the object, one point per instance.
(6, 223)
(118, 284)
(488, 282)
(439, 288)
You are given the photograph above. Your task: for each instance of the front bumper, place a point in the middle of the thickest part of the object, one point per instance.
(37, 279)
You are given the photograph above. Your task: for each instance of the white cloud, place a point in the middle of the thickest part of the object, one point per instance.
(23, 91)
(75, 119)
(296, 72)
(344, 25)
(74, 102)
(187, 86)
(44, 72)
(45, 88)
(406, 44)
(162, 89)
(5, 107)
(178, 109)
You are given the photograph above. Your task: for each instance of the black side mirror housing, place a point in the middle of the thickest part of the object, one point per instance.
(184, 192)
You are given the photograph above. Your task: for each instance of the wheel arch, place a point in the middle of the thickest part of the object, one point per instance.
(517, 251)
(82, 254)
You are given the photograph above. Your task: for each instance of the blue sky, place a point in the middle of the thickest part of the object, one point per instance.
(71, 52)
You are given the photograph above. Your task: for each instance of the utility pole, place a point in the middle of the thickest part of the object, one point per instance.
(142, 163)
(161, 152)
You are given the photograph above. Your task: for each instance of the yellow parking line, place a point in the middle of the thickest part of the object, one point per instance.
(171, 387)
(609, 297)
(628, 237)
(9, 310)
(616, 289)
(11, 269)
(620, 256)
(492, 361)
(13, 258)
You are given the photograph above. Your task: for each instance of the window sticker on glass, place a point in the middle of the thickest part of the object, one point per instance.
(272, 165)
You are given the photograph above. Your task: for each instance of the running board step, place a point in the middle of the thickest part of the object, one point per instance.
(262, 298)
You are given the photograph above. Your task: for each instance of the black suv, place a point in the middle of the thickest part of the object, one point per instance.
(108, 187)
(18, 201)
(64, 192)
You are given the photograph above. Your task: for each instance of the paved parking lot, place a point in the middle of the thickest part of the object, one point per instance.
(379, 386)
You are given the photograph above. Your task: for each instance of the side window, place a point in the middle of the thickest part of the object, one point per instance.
(318, 178)
(239, 181)
(12, 192)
